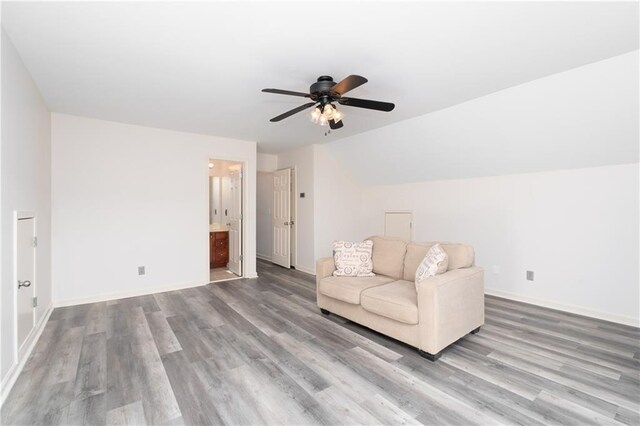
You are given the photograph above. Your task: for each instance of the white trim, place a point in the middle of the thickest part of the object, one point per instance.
(226, 279)
(305, 270)
(293, 254)
(605, 316)
(251, 276)
(25, 214)
(125, 294)
(12, 375)
(263, 257)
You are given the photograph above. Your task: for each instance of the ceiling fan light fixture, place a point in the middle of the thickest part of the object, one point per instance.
(315, 115)
(323, 93)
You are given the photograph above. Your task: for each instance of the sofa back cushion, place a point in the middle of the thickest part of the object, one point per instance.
(460, 256)
(388, 256)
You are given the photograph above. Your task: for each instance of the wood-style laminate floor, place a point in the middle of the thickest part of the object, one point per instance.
(259, 352)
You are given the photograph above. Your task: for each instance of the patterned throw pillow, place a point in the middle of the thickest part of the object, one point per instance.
(353, 259)
(435, 262)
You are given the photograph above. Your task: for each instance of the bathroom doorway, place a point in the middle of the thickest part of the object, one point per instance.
(225, 220)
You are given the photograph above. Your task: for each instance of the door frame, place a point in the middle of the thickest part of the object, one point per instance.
(22, 215)
(245, 199)
(293, 254)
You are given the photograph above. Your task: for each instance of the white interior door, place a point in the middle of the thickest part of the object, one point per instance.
(281, 253)
(26, 278)
(398, 224)
(235, 222)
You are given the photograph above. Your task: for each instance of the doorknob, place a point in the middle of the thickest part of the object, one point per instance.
(286, 223)
(23, 284)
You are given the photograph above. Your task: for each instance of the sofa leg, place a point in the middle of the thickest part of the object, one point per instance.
(475, 331)
(324, 311)
(430, 357)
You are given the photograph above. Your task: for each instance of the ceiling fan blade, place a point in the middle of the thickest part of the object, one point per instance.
(333, 125)
(366, 103)
(286, 92)
(293, 111)
(348, 83)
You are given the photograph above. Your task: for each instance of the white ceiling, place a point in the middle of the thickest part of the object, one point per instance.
(199, 67)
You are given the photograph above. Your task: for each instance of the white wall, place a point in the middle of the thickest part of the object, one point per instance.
(125, 196)
(303, 160)
(24, 174)
(267, 162)
(337, 202)
(264, 206)
(576, 229)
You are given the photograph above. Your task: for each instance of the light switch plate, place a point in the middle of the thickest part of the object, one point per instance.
(141, 270)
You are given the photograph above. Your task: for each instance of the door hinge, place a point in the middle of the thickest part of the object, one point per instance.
(34, 242)
(35, 302)
(241, 258)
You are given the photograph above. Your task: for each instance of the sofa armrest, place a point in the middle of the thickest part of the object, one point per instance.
(324, 268)
(450, 305)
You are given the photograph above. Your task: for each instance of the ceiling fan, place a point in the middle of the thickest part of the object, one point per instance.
(323, 93)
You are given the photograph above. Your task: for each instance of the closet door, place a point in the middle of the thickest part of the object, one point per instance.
(281, 222)
(398, 224)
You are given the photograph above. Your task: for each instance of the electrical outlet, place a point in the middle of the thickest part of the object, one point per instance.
(529, 275)
(496, 270)
(141, 270)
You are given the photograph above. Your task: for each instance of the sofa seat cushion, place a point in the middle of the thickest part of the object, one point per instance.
(348, 289)
(397, 300)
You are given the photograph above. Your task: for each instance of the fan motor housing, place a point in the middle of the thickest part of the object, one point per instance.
(322, 86)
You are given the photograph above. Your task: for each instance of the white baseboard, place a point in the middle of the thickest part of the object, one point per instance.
(305, 270)
(634, 322)
(12, 375)
(124, 294)
(264, 257)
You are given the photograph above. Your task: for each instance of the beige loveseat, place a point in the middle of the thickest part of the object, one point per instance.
(442, 310)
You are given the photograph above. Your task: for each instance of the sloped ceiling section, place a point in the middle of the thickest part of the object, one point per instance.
(584, 117)
(199, 66)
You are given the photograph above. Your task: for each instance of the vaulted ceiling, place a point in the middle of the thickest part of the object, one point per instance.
(199, 67)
